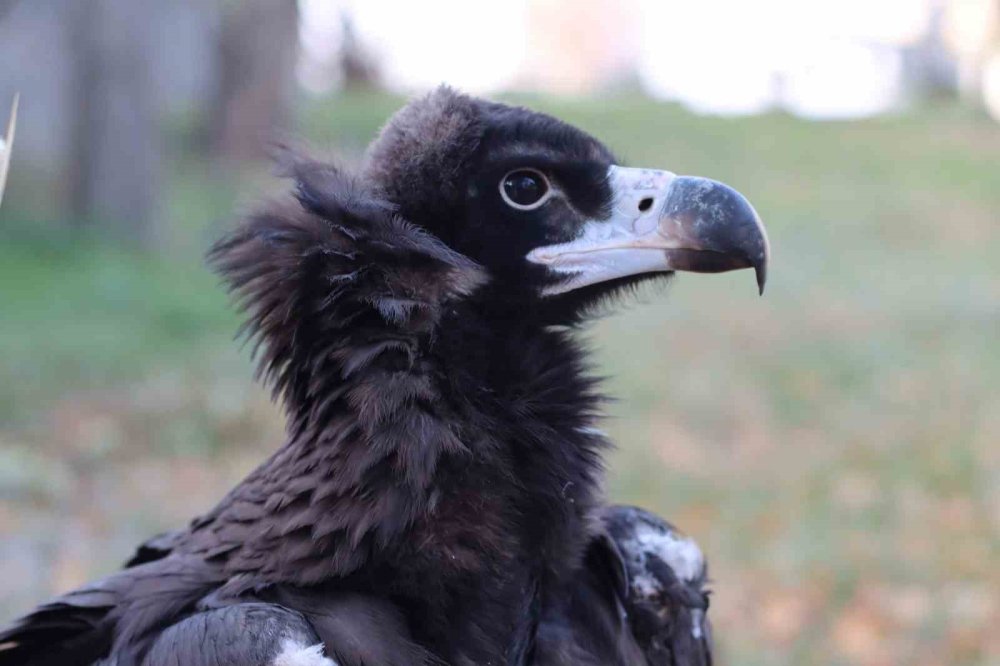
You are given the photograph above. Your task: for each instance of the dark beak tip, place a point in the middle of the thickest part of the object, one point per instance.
(723, 224)
(760, 266)
(760, 255)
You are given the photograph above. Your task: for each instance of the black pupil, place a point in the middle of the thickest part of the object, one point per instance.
(524, 187)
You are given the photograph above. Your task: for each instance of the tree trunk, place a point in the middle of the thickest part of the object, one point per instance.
(258, 46)
(117, 141)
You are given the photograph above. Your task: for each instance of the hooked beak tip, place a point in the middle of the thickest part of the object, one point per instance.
(718, 223)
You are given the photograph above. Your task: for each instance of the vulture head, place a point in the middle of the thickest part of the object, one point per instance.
(547, 210)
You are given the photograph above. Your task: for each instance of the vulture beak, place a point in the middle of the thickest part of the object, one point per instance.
(6, 143)
(661, 222)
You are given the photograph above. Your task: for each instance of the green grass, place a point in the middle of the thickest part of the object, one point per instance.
(88, 317)
(832, 445)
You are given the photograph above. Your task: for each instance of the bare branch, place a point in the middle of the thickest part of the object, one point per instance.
(7, 144)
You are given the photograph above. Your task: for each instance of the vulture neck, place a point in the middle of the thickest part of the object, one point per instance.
(440, 432)
(491, 396)
(489, 357)
(441, 449)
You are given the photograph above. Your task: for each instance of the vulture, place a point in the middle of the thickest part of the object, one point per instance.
(437, 499)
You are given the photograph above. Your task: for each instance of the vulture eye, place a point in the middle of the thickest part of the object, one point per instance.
(525, 189)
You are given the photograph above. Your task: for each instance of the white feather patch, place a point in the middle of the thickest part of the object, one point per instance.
(296, 654)
(680, 553)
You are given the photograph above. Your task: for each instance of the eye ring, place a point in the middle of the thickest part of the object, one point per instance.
(545, 196)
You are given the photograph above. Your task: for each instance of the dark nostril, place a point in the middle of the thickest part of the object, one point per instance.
(645, 204)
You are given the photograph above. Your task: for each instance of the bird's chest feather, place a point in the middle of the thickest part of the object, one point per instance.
(528, 408)
(510, 513)
(460, 485)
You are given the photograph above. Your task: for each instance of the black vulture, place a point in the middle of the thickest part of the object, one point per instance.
(438, 496)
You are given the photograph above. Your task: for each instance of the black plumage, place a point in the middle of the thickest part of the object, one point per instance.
(638, 598)
(438, 496)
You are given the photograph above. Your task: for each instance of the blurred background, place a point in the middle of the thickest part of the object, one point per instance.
(833, 446)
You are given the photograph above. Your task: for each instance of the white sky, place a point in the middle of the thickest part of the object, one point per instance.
(833, 58)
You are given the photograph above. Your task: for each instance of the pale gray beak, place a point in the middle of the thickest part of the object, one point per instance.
(661, 222)
(6, 143)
